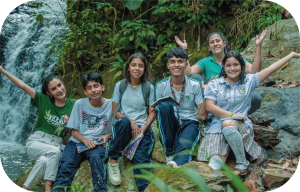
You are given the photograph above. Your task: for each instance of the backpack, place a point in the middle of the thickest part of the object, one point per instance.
(146, 87)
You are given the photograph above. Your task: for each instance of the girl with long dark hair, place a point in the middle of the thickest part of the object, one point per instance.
(134, 95)
(229, 96)
(45, 144)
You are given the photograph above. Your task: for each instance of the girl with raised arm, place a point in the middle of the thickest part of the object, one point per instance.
(229, 96)
(134, 95)
(45, 144)
(211, 66)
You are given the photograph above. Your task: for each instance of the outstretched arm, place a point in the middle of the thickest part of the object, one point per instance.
(256, 67)
(264, 74)
(189, 71)
(19, 83)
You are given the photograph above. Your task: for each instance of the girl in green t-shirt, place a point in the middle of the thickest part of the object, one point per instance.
(44, 145)
(211, 66)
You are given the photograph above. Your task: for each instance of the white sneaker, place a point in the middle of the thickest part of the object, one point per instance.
(172, 164)
(169, 159)
(114, 173)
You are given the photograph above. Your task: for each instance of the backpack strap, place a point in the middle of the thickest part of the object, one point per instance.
(122, 88)
(146, 87)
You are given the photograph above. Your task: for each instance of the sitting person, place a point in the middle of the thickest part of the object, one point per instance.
(133, 95)
(230, 96)
(178, 126)
(90, 120)
(212, 65)
(45, 144)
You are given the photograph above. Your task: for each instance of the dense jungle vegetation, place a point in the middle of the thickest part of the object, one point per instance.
(101, 34)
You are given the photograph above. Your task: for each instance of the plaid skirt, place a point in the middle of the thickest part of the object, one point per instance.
(215, 143)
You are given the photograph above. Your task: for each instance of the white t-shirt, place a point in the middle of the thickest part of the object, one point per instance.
(91, 122)
(192, 97)
(133, 103)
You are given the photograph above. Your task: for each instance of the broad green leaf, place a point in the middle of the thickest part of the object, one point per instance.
(189, 20)
(169, 32)
(131, 38)
(118, 57)
(278, 16)
(160, 2)
(39, 18)
(118, 74)
(125, 23)
(79, 54)
(194, 17)
(168, 19)
(48, 25)
(209, 17)
(48, 45)
(98, 36)
(161, 37)
(151, 33)
(144, 46)
(144, 33)
(133, 4)
(113, 69)
(205, 20)
(172, 23)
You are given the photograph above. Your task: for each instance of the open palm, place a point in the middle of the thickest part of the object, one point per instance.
(181, 44)
(262, 37)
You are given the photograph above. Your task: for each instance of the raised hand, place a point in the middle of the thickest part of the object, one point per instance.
(261, 38)
(181, 44)
(295, 55)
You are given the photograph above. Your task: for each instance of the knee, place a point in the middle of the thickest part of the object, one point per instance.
(165, 106)
(228, 123)
(125, 121)
(42, 161)
(55, 151)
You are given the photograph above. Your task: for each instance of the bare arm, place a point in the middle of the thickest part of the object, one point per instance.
(256, 67)
(211, 106)
(151, 117)
(264, 74)
(77, 135)
(114, 107)
(19, 83)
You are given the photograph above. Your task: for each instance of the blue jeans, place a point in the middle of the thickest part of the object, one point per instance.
(70, 162)
(255, 101)
(179, 143)
(121, 131)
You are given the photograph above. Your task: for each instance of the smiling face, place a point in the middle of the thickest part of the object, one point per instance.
(136, 68)
(216, 44)
(94, 90)
(176, 66)
(57, 89)
(232, 68)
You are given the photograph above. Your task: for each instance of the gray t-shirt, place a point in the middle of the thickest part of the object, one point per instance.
(91, 122)
(192, 97)
(133, 104)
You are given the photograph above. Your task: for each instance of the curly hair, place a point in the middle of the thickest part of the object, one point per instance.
(178, 52)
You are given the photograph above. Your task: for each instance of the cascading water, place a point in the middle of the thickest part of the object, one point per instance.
(26, 57)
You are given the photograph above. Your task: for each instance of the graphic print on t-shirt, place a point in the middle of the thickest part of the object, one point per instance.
(59, 122)
(94, 121)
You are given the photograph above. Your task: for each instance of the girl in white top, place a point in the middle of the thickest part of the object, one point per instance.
(230, 96)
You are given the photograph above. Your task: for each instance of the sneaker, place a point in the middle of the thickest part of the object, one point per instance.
(172, 164)
(169, 159)
(114, 174)
(242, 169)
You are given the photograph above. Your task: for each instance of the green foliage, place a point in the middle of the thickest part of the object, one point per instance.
(133, 4)
(270, 16)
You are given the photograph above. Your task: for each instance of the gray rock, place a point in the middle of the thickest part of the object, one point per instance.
(283, 106)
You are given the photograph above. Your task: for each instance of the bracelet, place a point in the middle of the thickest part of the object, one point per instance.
(231, 115)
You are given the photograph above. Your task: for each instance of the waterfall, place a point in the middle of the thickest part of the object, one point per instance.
(26, 57)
